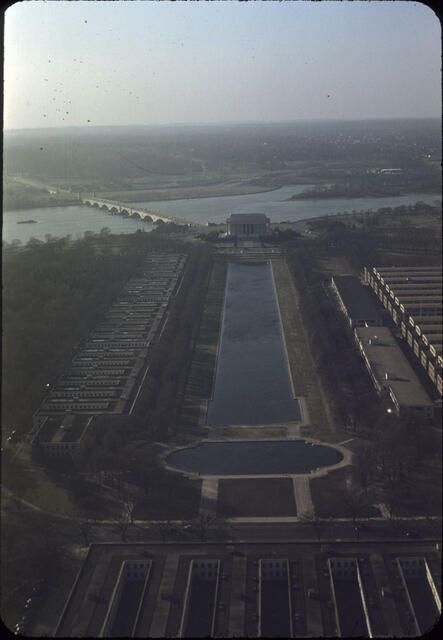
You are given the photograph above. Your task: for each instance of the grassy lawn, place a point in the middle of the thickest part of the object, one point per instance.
(201, 374)
(422, 494)
(329, 497)
(30, 482)
(50, 496)
(34, 548)
(17, 195)
(256, 497)
(173, 497)
(178, 193)
(301, 364)
(53, 492)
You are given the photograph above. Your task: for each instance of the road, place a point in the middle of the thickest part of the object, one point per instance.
(41, 185)
(333, 532)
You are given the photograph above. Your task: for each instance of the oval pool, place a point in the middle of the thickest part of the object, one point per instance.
(265, 457)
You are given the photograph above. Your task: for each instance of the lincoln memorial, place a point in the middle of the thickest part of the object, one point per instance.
(247, 225)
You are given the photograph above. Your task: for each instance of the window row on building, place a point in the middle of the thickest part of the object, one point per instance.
(413, 298)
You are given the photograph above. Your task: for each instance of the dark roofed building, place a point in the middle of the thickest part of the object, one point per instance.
(356, 302)
(247, 225)
(391, 372)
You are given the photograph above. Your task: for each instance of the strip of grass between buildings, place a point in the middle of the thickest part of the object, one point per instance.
(202, 371)
(300, 360)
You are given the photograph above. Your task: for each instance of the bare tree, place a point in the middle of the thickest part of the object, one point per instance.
(314, 521)
(85, 529)
(391, 500)
(122, 523)
(163, 527)
(356, 502)
(205, 522)
(130, 504)
(365, 470)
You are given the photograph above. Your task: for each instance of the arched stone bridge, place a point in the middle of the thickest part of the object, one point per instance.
(125, 209)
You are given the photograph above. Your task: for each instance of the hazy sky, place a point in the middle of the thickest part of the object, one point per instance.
(117, 63)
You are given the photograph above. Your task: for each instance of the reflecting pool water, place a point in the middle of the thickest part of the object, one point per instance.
(266, 457)
(252, 384)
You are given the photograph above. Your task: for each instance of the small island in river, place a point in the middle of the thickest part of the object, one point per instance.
(27, 222)
(347, 191)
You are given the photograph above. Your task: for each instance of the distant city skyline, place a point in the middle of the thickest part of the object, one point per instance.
(70, 64)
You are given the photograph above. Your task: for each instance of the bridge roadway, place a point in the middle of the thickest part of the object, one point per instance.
(122, 208)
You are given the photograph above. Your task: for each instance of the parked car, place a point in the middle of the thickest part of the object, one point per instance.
(20, 628)
(413, 534)
(38, 587)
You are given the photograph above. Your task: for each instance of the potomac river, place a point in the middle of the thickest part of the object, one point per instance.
(75, 220)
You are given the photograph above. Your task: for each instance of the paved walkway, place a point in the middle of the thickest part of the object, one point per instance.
(314, 626)
(209, 494)
(303, 498)
(161, 610)
(383, 510)
(387, 605)
(203, 412)
(237, 605)
(345, 441)
(293, 431)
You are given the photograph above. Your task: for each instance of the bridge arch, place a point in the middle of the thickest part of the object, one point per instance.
(114, 207)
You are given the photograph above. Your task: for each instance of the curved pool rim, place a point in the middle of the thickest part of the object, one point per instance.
(317, 473)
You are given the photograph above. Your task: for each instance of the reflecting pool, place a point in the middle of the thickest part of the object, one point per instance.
(265, 457)
(252, 383)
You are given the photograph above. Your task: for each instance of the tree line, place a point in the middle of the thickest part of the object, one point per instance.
(392, 466)
(54, 293)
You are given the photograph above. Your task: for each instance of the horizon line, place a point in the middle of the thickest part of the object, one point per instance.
(220, 123)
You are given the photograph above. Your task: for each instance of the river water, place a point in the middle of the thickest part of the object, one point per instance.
(252, 384)
(75, 220)
(63, 221)
(275, 204)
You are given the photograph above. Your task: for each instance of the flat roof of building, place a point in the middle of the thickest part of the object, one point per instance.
(411, 285)
(64, 428)
(408, 275)
(429, 328)
(418, 280)
(420, 304)
(414, 298)
(90, 597)
(385, 357)
(406, 270)
(248, 218)
(417, 319)
(415, 292)
(357, 300)
(424, 320)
